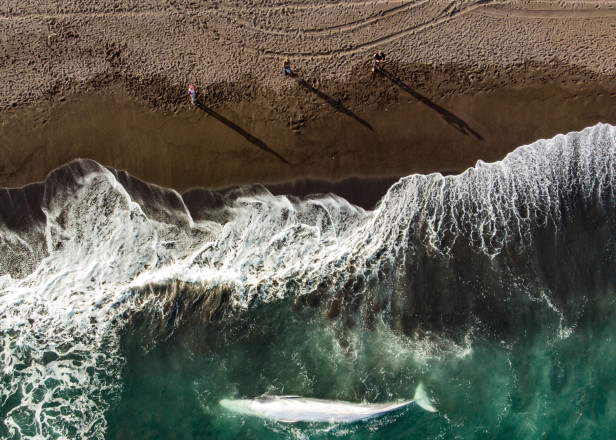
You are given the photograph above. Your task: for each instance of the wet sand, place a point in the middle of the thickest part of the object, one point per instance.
(463, 81)
(247, 142)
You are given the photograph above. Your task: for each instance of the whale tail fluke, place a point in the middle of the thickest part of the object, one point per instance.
(421, 399)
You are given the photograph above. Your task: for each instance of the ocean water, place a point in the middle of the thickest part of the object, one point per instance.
(129, 311)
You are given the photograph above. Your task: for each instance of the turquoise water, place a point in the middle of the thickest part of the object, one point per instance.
(532, 386)
(129, 311)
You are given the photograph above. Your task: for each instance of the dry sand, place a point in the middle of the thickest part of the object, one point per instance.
(463, 81)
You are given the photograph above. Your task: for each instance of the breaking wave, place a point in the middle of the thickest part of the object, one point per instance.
(518, 245)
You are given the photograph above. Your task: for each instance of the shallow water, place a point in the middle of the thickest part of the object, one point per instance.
(127, 311)
(536, 387)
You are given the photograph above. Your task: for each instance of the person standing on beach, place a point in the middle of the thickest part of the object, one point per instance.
(377, 59)
(286, 67)
(193, 94)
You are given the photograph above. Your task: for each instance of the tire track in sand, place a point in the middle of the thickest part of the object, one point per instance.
(504, 11)
(77, 15)
(483, 7)
(345, 27)
(411, 30)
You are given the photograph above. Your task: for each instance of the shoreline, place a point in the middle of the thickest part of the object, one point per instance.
(404, 120)
(462, 81)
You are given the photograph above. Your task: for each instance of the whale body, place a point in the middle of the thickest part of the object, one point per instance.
(302, 409)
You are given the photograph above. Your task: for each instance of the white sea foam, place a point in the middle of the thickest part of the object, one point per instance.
(59, 324)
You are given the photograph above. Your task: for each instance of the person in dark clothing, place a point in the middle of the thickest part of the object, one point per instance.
(377, 59)
(286, 67)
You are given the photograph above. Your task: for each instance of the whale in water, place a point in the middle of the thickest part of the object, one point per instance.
(302, 409)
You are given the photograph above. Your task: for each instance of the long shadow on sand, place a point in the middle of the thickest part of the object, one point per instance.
(331, 101)
(249, 137)
(453, 120)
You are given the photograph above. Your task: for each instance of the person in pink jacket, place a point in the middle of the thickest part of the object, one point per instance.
(193, 94)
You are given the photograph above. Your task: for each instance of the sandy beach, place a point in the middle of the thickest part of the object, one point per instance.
(462, 81)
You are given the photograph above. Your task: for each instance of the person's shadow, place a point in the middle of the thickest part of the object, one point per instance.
(249, 137)
(453, 120)
(337, 105)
